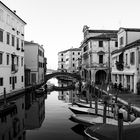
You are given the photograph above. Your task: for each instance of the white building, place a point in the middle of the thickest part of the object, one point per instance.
(96, 48)
(34, 60)
(126, 59)
(11, 50)
(67, 59)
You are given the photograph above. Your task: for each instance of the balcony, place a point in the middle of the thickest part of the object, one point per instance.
(14, 68)
(119, 66)
(18, 48)
(22, 50)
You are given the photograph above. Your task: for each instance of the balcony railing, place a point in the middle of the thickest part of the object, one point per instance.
(119, 66)
(14, 68)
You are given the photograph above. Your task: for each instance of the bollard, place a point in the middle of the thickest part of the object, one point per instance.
(5, 100)
(128, 111)
(120, 126)
(104, 112)
(96, 105)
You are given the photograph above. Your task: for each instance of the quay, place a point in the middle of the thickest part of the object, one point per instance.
(124, 98)
(20, 92)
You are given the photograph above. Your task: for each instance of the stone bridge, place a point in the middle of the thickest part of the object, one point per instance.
(61, 74)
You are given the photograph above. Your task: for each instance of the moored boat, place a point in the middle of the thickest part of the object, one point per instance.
(84, 110)
(110, 132)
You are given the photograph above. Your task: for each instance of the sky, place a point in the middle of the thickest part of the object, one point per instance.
(58, 24)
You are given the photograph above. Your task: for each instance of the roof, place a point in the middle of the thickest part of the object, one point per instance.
(33, 43)
(103, 31)
(13, 12)
(71, 49)
(130, 29)
(130, 45)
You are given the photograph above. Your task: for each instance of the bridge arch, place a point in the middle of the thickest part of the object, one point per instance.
(56, 74)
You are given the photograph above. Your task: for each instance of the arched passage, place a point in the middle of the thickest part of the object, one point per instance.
(100, 76)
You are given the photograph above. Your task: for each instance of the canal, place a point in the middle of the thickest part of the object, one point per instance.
(56, 124)
(36, 117)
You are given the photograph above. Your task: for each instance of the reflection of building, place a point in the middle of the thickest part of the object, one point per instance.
(12, 121)
(11, 50)
(34, 60)
(35, 115)
(96, 48)
(126, 59)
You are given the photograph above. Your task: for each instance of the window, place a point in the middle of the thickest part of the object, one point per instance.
(78, 53)
(121, 41)
(1, 81)
(33, 78)
(126, 55)
(62, 59)
(1, 35)
(7, 59)
(8, 38)
(22, 44)
(100, 43)
(17, 43)
(1, 58)
(116, 44)
(22, 61)
(10, 80)
(73, 53)
(132, 58)
(100, 59)
(73, 59)
(21, 78)
(139, 57)
(62, 54)
(13, 40)
(17, 60)
(62, 66)
(73, 65)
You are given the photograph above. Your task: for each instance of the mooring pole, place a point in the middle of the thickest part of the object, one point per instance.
(104, 112)
(120, 126)
(5, 100)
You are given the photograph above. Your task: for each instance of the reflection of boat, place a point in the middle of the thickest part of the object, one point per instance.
(110, 132)
(79, 129)
(88, 120)
(84, 110)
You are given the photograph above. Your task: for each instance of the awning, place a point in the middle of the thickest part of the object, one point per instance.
(116, 54)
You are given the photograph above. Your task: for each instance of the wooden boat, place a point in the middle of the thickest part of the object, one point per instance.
(110, 132)
(91, 111)
(81, 104)
(88, 120)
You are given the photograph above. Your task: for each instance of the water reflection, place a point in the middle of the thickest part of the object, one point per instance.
(26, 112)
(12, 121)
(30, 116)
(35, 115)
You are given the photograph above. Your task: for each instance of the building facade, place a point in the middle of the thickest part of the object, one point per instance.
(96, 49)
(11, 50)
(34, 60)
(125, 68)
(67, 59)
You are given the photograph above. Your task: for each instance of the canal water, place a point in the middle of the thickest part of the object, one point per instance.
(56, 124)
(35, 117)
